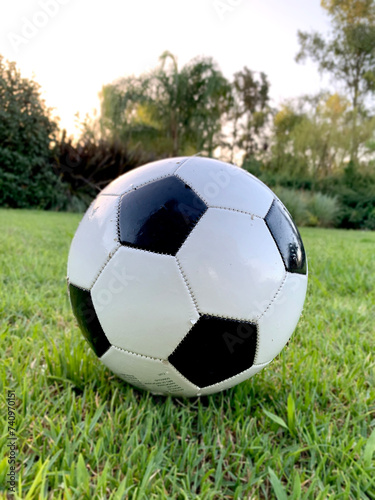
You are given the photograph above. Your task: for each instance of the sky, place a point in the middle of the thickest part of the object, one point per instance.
(73, 47)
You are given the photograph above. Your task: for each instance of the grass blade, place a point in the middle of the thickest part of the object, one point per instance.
(276, 419)
(277, 486)
(291, 414)
(369, 449)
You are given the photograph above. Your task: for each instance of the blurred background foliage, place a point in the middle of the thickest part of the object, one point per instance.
(317, 152)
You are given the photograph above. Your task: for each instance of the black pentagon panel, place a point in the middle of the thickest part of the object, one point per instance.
(287, 238)
(215, 349)
(84, 311)
(159, 216)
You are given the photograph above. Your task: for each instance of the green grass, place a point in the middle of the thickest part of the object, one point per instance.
(302, 428)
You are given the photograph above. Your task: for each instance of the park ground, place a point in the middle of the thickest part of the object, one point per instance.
(302, 428)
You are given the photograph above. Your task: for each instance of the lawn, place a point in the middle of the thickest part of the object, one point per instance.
(302, 428)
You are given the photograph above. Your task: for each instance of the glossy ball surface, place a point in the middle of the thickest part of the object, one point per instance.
(187, 276)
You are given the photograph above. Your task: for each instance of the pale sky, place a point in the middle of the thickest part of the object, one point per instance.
(73, 47)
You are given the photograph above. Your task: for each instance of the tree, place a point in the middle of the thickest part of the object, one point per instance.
(170, 111)
(312, 136)
(207, 99)
(27, 134)
(351, 12)
(348, 54)
(250, 111)
(285, 123)
(120, 103)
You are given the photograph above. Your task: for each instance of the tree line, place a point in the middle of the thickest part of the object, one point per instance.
(318, 151)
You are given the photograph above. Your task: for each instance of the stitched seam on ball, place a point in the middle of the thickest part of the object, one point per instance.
(180, 165)
(185, 280)
(274, 297)
(118, 219)
(236, 210)
(273, 199)
(127, 190)
(192, 230)
(134, 188)
(150, 358)
(140, 249)
(193, 189)
(229, 318)
(268, 211)
(77, 286)
(226, 208)
(183, 376)
(111, 254)
(266, 309)
(234, 376)
(144, 356)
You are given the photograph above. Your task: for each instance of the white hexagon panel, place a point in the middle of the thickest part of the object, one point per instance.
(143, 303)
(232, 264)
(155, 375)
(226, 186)
(280, 318)
(94, 242)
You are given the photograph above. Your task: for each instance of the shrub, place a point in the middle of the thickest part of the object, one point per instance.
(355, 191)
(348, 202)
(87, 167)
(28, 182)
(26, 134)
(323, 209)
(310, 209)
(295, 202)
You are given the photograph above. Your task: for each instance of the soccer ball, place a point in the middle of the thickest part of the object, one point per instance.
(187, 276)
